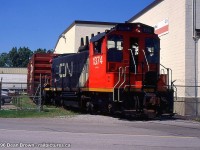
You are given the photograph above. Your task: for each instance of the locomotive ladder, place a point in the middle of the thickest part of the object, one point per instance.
(122, 76)
(122, 72)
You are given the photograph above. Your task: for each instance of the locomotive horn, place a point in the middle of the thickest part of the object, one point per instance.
(82, 42)
(86, 40)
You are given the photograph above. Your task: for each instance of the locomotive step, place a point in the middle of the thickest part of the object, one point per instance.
(69, 95)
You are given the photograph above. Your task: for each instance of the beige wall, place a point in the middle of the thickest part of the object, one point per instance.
(66, 42)
(83, 30)
(178, 48)
(71, 42)
(172, 43)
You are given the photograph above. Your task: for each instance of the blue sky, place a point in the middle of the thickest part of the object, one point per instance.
(38, 23)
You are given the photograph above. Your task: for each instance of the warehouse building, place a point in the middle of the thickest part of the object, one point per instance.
(13, 78)
(69, 40)
(178, 24)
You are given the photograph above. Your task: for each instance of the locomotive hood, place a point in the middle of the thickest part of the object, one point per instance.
(98, 37)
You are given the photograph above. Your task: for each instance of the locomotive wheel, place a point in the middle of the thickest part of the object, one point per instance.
(110, 109)
(61, 102)
(53, 102)
(90, 108)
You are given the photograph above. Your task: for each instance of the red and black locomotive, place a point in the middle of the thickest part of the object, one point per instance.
(119, 70)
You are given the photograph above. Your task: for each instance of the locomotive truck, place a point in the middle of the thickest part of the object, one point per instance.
(119, 70)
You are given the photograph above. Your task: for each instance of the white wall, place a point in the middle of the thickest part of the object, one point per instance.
(66, 43)
(178, 48)
(73, 37)
(83, 30)
(172, 43)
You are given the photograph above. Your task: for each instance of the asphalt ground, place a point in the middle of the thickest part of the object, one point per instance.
(85, 132)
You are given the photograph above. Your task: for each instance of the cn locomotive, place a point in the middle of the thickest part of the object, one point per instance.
(119, 70)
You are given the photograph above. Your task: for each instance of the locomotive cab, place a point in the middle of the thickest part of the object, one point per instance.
(128, 49)
(125, 61)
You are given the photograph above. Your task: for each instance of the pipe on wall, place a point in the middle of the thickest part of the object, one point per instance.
(196, 39)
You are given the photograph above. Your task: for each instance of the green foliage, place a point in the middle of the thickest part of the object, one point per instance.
(19, 57)
(4, 60)
(13, 56)
(57, 112)
(40, 50)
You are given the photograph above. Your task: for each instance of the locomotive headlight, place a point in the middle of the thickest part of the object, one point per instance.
(151, 50)
(138, 30)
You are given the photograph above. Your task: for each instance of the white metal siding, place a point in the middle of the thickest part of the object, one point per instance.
(4, 70)
(14, 81)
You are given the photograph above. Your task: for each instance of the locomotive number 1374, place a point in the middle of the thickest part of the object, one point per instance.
(97, 60)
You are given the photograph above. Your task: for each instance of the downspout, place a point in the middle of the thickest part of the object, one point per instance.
(195, 38)
(194, 18)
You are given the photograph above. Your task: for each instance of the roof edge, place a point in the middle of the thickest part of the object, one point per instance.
(153, 4)
(88, 22)
(83, 22)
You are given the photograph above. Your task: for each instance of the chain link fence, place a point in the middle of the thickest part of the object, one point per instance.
(22, 95)
(19, 96)
(187, 100)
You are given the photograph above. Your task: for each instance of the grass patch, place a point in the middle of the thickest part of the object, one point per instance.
(56, 112)
(24, 102)
(197, 119)
(28, 109)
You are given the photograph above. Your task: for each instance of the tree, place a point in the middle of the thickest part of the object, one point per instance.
(50, 51)
(4, 60)
(13, 56)
(19, 57)
(24, 54)
(40, 50)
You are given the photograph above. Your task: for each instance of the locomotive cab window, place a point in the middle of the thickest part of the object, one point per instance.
(97, 47)
(115, 47)
(152, 50)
